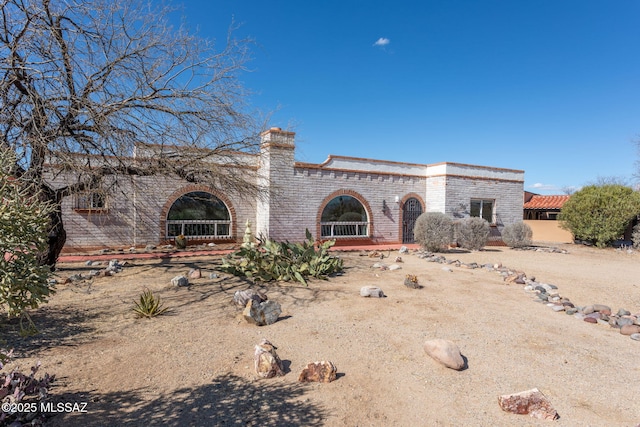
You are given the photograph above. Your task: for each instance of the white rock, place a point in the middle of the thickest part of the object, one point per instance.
(446, 352)
(371, 291)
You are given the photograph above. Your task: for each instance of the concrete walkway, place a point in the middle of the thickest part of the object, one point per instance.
(68, 258)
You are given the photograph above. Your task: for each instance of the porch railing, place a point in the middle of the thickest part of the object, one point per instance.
(199, 229)
(344, 229)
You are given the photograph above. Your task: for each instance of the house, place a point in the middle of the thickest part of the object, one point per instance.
(349, 199)
(541, 207)
(540, 213)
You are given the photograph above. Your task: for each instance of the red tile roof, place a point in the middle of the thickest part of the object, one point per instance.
(546, 202)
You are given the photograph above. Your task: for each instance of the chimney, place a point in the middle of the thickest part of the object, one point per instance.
(278, 137)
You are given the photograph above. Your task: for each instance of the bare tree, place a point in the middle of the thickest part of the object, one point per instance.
(86, 83)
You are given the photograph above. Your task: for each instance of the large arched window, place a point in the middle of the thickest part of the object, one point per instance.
(199, 215)
(344, 216)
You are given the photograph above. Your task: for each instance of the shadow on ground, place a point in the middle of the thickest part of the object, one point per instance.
(57, 327)
(229, 400)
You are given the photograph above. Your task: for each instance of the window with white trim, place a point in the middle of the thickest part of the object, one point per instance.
(483, 208)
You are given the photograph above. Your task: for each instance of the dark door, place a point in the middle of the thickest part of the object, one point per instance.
(411, 210)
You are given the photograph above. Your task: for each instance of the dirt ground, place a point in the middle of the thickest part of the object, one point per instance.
(194, 365)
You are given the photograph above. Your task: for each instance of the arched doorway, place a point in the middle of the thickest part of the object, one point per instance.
(344, 216)
(198, 215)
(411, 210)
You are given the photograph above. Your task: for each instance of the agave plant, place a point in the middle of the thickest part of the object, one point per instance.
(149, 305)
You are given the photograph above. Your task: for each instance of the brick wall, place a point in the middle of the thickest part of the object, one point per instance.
(295, 195)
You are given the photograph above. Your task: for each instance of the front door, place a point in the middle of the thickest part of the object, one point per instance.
(411, 210)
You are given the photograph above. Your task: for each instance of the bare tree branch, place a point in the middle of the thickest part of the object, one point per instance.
(87, 84)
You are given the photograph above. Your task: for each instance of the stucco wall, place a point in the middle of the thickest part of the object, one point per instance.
(549, 231)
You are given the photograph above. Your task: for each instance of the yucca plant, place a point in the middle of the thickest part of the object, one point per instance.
(149, 305)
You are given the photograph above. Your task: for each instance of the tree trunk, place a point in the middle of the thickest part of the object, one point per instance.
(56, 234)
(57, 237)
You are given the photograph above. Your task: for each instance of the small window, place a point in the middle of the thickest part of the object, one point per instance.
(90, 201)
(483, 208)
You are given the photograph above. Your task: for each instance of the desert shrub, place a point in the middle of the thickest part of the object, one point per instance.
(635, 237)
(149, 305)
(19, 391)
(271, 260)
(517, 235)
(433, 231)
(472, 233)
(23, 239)
(599, 214)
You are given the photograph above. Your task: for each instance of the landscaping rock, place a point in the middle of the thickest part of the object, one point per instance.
(411, 281)
(321, 372)
(635, 337)
(394, 267)
(623, 312)
(267, 362)
(445, 352)
(195, 273)
(241, 298)
(531, 402)
(371, 291)
(264, 313)
(601, 308)
(180, 281)
(630, 329)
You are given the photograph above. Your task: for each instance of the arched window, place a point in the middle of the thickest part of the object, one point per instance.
(199, 215)
(344, 216)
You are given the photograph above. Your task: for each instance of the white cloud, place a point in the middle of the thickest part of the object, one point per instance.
(382, 41)
(540, 186)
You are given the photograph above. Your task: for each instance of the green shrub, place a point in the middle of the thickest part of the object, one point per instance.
(517, 235)
(23, 239)
(472, 233)
(149, 305)
(271, 260)
(600, 214)
(434, 231)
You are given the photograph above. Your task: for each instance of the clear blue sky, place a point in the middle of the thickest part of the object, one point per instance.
(548, 86)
